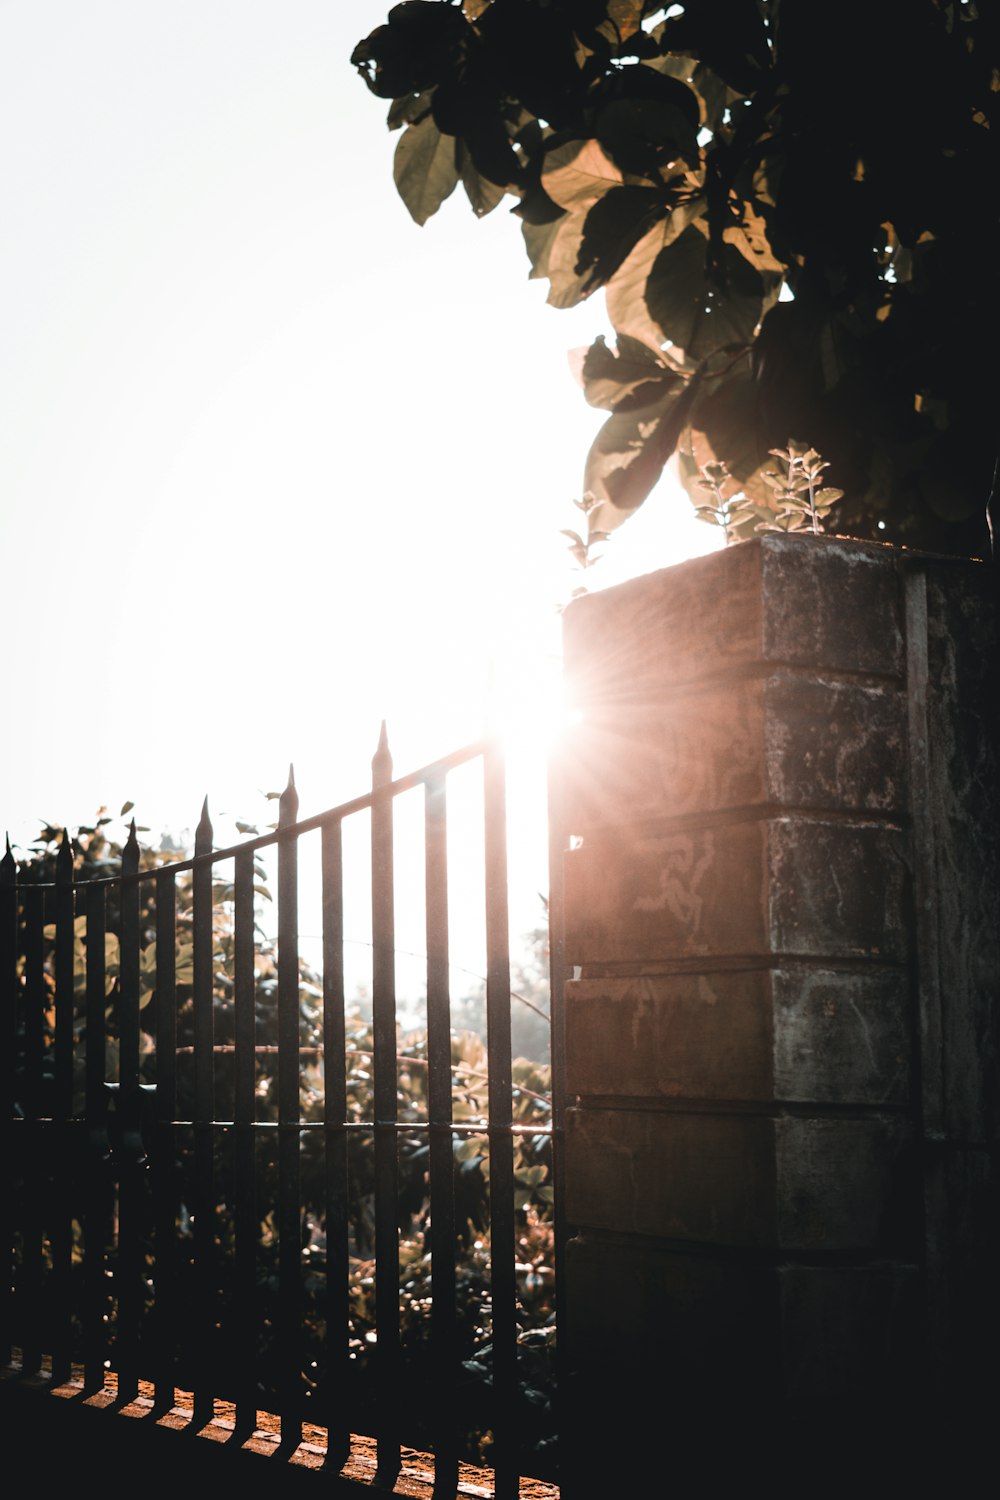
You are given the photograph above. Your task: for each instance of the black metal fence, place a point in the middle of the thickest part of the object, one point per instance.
(223, 1179)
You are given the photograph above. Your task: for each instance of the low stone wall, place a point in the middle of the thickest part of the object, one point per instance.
(782, 908)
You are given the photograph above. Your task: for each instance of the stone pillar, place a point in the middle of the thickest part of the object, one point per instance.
(781, 909)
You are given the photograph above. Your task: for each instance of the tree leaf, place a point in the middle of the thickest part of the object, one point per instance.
(566, 286)
(632, 374)
(424, 169)
(483, 195)
(409, 109)
(628, 310)
(644, 135)
(627, 457)
(578, 173)
(612, 228)
(750, 238)
(695, 314)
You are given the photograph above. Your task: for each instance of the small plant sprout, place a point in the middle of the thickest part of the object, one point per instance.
(728, 514)
(800, 504)
(580, 547)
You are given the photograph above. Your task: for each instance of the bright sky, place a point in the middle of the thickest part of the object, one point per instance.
(275, 463)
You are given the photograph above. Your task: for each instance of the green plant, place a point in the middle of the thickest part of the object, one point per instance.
(799, 503)
(725, 511)
(580, 547)
(792, 211)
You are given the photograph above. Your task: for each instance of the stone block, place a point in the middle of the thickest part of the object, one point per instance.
(626, 644)
(847, 1184)
(744, 1180)
(784, 886)
(831, 603)
(816, 602)
(789, 741)
(838, 889)
(669, 1175)
(842, 1037)
(678, 1036)
(762, 1035)
(834, 745)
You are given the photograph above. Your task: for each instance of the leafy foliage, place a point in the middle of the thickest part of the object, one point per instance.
(792, 209)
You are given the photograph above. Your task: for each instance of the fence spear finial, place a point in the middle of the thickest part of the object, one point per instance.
(382, 759)
(203, 833)
(64, 858)
(8, 866)
(288, 803)
(130, 853)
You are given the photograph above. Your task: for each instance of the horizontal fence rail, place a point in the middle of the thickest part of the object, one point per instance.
(226, 1178)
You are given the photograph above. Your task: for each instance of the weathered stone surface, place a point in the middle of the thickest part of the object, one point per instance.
(842, 1037)
(674, 1176)
(958, 821)
(694, 1036)
(694, 892)
(805, 601)
(626, 644)
(784, 886)
(743, 1179)
(697, 752)
(831, 603)
(801, 1084)
(755, 1035)
(846, 1184)
(793, 740)
(837, 888)
(836, 745)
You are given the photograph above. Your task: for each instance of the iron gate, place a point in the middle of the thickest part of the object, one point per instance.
(199, 1197)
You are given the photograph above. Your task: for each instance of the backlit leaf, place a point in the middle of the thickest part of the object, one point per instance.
(424, 169)
(628, 310)
(627, 457)
(578, 173)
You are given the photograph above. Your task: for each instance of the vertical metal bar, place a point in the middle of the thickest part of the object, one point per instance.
(64, 979)
(62, 1229)
(129, 1165)
(244, 1117)
(32, 1263)
(334, 1117)
(442, 1157)
(387, 1348)
(9, 995)
(289, 1194)
(557, 1033)
(503, 1280)
(204, 1125)
(95, 1193)
(165, 1105)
